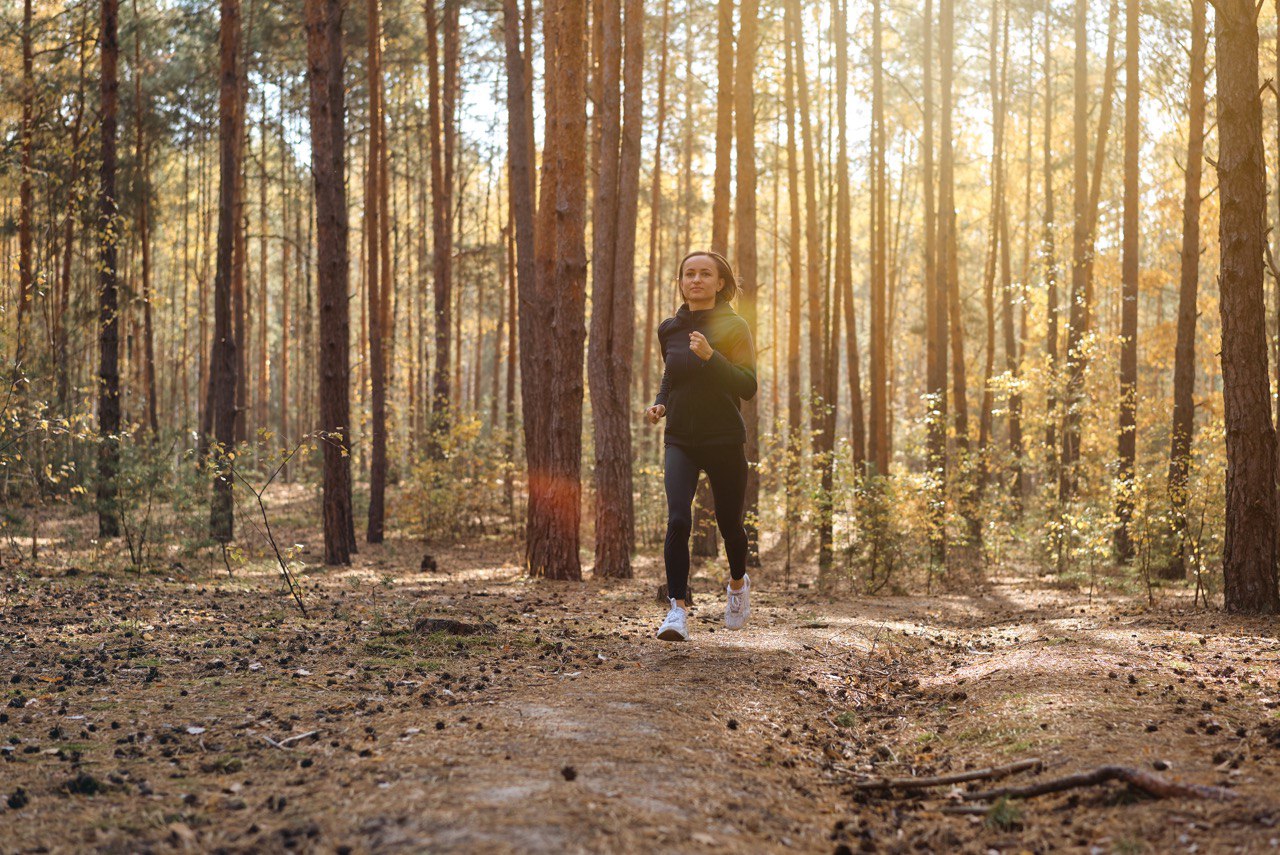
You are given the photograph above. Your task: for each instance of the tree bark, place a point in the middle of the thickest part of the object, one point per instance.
(1249, 553)
(108, 300)
(817, 304)
(26, 263)
(878, 435)
(655, 213)
(144, 231)
(745, 240)
(795, 439)
(374, 209)
(935, 326)
(1087, 193)
(439, 114)
(1012, 351)
(262, 382)
(997, 72)
(552, 331)
(724, 127)
(522, 199)
(1049, 255)
(286, 269)
(613, 267)
(223, 361)
(948, 269)
(1184, 361)
(1082, 242)
(328, 117)
(1127, 439)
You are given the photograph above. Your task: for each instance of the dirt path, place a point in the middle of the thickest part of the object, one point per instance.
(148, 713)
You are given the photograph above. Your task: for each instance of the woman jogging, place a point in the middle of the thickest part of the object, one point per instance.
(710, 369)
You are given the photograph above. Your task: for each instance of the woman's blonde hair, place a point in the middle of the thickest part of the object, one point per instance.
(730, 289)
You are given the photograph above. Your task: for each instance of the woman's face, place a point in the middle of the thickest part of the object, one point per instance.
(700, 279)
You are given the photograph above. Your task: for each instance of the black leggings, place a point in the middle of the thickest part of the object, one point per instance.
(726, 468)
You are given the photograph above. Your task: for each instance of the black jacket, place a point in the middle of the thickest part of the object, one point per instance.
(703, 397)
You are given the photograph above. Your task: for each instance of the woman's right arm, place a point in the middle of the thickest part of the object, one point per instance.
(664, 390)
(659, 409)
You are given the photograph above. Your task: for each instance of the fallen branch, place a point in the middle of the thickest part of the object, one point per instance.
(1031, 764)
(1148, 782)
(284, 743)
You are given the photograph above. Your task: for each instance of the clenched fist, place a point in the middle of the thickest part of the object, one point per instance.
(699, 345)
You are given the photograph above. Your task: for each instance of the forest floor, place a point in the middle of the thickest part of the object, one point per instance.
(184, 709)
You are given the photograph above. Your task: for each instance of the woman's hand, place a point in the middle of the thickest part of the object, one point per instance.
(698, 344)
(655, 413)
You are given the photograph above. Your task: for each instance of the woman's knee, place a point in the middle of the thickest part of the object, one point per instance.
(679, 524)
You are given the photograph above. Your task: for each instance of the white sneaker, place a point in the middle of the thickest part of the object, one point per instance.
(675, 627)
(738, 607)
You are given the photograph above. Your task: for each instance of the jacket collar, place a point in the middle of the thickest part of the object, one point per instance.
(686, 314)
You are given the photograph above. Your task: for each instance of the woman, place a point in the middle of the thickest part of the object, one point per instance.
(710, 369)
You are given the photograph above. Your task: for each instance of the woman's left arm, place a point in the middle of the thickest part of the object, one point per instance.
(736, 364)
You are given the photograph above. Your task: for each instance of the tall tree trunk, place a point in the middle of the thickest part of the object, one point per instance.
(775, 257)
(994, 249)
(1049, 255)
(62, 365)
(745, 242)
(507, 277)
(1103, 134)
(655, 214)
(553, 331)
(182, 378)
(843, 260)
(240, 319)
(522, 199)
(454, 188)
(795, 440)
(1249, 551)
(223, 361)
(286, 262)
(817, 303)
(1082, 242)
(612, 548)
(144, 231)
(204, 347)
(26, 261)
(440, 116)
(1275, 255)
(878, 446)
(724, 127)
(1013, 343)
(935, 299)
(892, 282)
(1087, 193)
(1127, 439)
(948, 267)
(613, 267)
(685, 221)
(262, 382)
(1184, 360)
(328, 118)
(374, 208)
(108, 302)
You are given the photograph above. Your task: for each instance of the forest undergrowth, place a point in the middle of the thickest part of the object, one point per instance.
(465, 707)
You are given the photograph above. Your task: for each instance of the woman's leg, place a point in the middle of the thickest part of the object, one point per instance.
(680, 474)
(726, 467)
